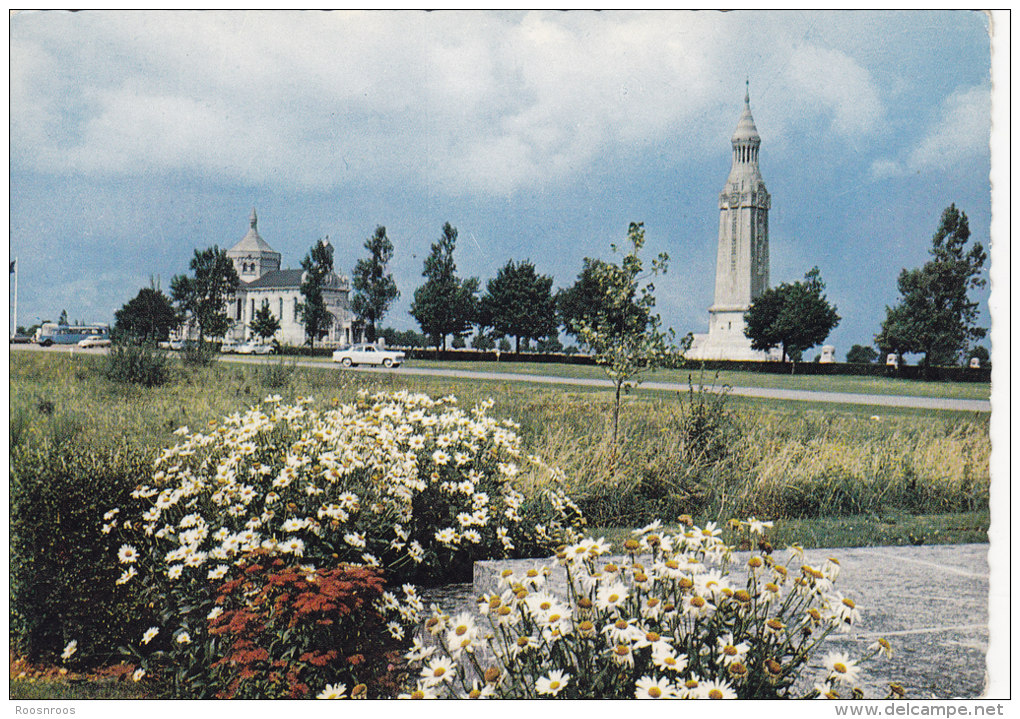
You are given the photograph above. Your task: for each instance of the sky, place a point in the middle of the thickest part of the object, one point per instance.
(138, 137)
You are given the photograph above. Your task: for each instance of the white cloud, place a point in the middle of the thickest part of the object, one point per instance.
(961, 132)
(831, 82)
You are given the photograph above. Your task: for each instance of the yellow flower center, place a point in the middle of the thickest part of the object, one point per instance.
(849, 602)
(522, 642)
(545, 606)
(506, 573)
(730, 650)
(773, 666)
(640, 577)
(741, 595)
(774, 624)
(503, 611)
(439, 671)
(840, 667)
(672, 564)
(611, 568)
(553, 618)
(461, 630)
(622, 650)
(653, 602)
(613, 598)
(697, 602)
(652, 637)
(621, 624)
(655, 692)
(586, 626)
(691, 683)
(631, 544)
(554, 685)
(738, 669)
(715, 694)
(772, 587)
(754, 562)
(417, 694)
(474, 694)
(669, 661)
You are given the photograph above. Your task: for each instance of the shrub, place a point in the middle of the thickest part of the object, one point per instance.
(198, 354)
(62, 571)
(666, 621)
(404, 482)
(279, 630)
(138, 364)
(277, 375)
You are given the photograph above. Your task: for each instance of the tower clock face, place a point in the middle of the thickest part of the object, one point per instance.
(734, 198)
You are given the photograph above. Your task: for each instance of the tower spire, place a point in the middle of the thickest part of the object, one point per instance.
(253, 220)
(747, 91)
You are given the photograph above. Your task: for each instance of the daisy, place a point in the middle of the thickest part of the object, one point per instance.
(214, 612)
(612, 596)
(730, 652)
(138, 675)
(439, 669)
(127, 554)
(70, 649)
(667, 660)
(183, 638)
(150, 634)
(648, 688)
(553, 683)
(841, 668)
(718, 689)
(126, 576)
(333, 691)
(756, 526)
(883, 647)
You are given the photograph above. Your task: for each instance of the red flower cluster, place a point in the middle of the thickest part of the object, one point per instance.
(289, 631)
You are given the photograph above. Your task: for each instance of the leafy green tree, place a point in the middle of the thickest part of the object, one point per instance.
(935, 315)
(981, 353)
(482, 341)
(861, 354)
(374, 287)
(445, 304)
(63, 318)
(318, 269)
(794, 317)
(148, 317)
(620, 329)
(264, 324)
(202, 298)
(547, 345)
(518, 302)
(583, 301)
(403, 338)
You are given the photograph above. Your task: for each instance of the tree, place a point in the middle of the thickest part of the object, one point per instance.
(148, 317)
(318, 267)
(445, 304)
(518, 302)
(63, 318)
(202, 298)
(935, 315)
(861, 354)
(620, 330)
(794, 317)
(264, 324)
(584, 300)
(374, 287)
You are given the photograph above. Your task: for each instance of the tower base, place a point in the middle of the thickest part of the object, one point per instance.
(725, 339)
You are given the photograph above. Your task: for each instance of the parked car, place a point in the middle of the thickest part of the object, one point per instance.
(251, 347)
(172, 345)
(229, 347)
(94, 342)
(20, 339)
(367, 354)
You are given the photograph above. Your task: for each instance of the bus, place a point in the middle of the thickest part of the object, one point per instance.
(50, 333)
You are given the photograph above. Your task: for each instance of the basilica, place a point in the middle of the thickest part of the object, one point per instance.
(262, 280)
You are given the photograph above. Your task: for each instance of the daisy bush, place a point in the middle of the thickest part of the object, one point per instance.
(402, 482)
(668, 621)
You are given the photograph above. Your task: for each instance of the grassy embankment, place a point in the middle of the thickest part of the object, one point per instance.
(690, 452)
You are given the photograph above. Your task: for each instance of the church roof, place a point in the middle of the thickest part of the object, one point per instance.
(745, 126)
(277, 279)
(252, 242)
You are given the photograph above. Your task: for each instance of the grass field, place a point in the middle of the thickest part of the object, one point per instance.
(688, 452)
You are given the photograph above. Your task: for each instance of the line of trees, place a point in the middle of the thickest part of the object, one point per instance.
(934, 317)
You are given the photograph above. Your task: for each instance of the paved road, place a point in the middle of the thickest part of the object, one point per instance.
(878, 400)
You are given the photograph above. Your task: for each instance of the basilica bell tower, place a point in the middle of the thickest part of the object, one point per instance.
(742, 261)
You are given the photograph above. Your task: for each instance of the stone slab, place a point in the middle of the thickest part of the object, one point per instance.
(931, 602)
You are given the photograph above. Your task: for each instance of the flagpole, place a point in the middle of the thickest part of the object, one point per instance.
(15, 330)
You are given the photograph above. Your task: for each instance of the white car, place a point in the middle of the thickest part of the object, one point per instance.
(251, 347)
(94, 342)
(367, 354)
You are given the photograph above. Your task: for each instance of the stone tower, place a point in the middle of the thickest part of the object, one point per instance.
(742, 262)
(252, 256)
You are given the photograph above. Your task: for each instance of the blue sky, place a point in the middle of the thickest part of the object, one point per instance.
(138, 137)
